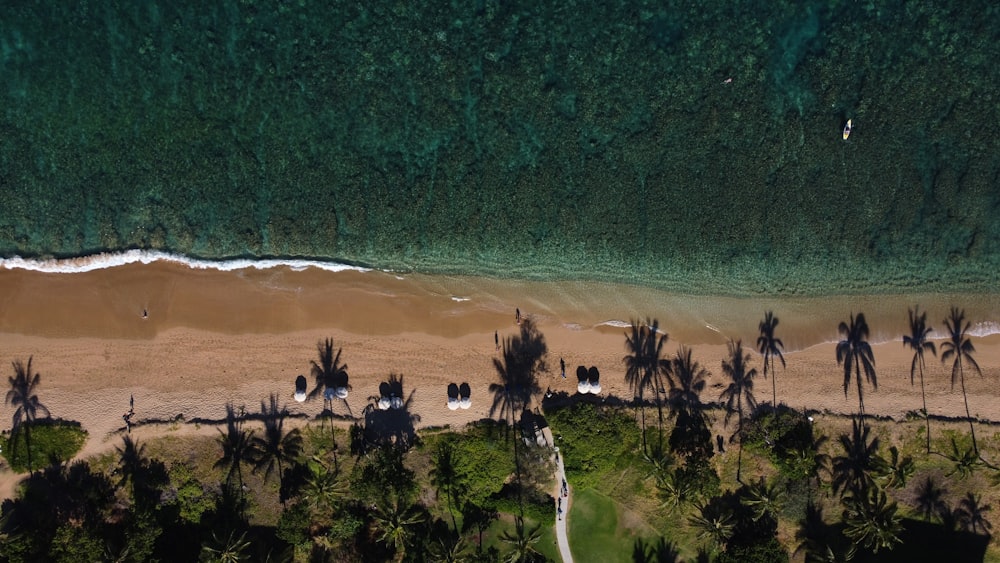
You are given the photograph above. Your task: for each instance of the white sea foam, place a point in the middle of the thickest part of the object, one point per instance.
(111, 260)
(615, 323)
(460, 299)
(984, 328)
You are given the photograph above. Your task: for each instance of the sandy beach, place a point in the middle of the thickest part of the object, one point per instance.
(215, 337)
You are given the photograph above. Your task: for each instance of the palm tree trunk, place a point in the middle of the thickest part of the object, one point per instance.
(451, 508)
(27, 447)
(774, 387)
(968, 415)
(739, 458)
(861, 399)
(659, 409)
(927, 415)
(642, 426)
(517, 464)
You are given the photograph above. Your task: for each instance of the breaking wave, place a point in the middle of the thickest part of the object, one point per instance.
(115, 259)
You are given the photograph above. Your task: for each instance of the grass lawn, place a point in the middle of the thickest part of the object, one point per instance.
(594, 530)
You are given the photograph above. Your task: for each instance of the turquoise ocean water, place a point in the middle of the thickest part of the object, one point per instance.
(689, 146)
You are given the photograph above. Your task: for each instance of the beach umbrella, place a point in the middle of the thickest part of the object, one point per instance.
(583, 386)
(466, 393)
(341, 392)
(594, 378)
(396, 402)
(384, 404)
(300, 388)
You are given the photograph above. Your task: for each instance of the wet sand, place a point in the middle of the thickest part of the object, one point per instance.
(214, 337)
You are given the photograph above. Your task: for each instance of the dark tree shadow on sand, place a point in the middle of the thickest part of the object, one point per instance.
(387, 418)
(330, 377)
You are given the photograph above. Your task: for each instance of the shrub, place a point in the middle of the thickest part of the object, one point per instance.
(484, 459)
(50, 440)
(594, 440)
(538, 506)
(784, 436)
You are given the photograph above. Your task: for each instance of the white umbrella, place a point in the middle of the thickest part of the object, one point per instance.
(453, 404)
(341, 392)
(383, 403)
(583, 386)
(465, 403)
(396, 402)
(595, 388)
(300, 396)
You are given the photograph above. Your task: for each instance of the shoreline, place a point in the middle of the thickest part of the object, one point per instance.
(237, 298)
(216, 337)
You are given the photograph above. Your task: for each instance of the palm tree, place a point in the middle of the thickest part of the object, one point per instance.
(236, 447)
(770, 347)
(714, 522)
(26, 405)
(853, 471)
(445, 476)
(811, 458)
(276, 447)
(231, 549)
(687, 381)
(959, 348)
(971, 514)
(763, 499)
(918, 342)
(644, 367)
(328, 372)
(323, 488)
(896, 470)
(740, 388)
(395, 525)
(871, 520)
(450, 549)
(855, 353)
(965, 460)
(523, 539)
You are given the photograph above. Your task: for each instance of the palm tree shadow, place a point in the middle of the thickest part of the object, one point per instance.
(387, 417)
(331, 378)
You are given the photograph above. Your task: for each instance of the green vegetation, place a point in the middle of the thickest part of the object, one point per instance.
(596, 533)
(804, 487)
(50, 440)
(595, 442)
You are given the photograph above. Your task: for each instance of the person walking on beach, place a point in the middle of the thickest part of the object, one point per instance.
(496, 339)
